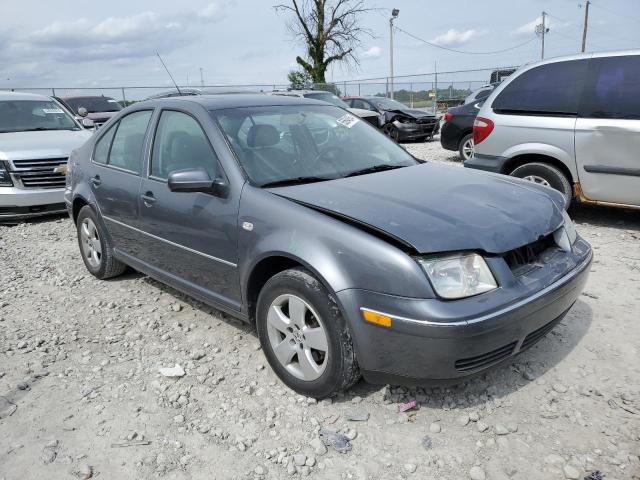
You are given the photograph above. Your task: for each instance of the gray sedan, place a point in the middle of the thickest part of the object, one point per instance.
(350, 256)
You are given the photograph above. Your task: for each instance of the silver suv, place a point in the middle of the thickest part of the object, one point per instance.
(570, 123)
(36, 137)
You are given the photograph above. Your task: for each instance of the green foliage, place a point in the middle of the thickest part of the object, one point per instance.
(299, 80)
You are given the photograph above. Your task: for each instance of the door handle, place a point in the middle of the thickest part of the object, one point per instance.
(96, 181)
(148, 199)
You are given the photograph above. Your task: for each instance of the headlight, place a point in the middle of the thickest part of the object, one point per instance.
(566, 235)
(5, 180)
(458, 276)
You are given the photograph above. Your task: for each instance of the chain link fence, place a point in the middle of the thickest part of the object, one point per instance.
(431, 91)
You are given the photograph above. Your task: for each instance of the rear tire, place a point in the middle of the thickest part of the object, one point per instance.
(465, 147)
(95, 246)
(304, 336)
(547, 175)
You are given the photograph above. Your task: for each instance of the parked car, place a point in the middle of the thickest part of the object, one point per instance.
(570, 123)
(372, 117)
(36, 138)
(456, 133)
(188, 92)
(480, 94)
(98, 108)
(344, 249)
(397, 120)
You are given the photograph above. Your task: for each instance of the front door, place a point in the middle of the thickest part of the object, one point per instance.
(114, 175)
(608, 131)
(190, 236)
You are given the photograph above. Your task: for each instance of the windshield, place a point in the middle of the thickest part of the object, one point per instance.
(387, 104)
(329, 98)
(29, 115)
(299, 144)
(93, 104)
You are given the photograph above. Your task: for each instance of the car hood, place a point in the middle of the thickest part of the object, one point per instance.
(44, 144)
(434, 208)
(412, 112)
(362, 113)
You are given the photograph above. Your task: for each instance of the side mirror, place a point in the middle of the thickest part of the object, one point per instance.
(83, 112)
(197, 180)
(87, 123)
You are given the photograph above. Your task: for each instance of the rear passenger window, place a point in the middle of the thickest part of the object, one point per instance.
(181, 143)
(126, 150)
(101, 152)
(549, 89)
(613, 88)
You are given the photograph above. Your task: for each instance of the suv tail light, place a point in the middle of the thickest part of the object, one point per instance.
(447, 117)
(482, 128)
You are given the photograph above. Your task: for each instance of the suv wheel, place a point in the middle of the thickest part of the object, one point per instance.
(95, 247)
(465, 147)
(304, 336)
(547, 175)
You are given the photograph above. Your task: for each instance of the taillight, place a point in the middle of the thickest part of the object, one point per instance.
(447, 116)
(482, 128)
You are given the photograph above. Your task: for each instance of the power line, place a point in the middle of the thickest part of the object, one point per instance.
(462, 51)
(626, 17)
(603, 32)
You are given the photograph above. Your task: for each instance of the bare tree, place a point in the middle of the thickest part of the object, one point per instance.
(330, 29)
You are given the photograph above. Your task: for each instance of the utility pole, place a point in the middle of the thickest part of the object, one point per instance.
(544, 30)
(201, 78)
(394, 15)
(586, 24)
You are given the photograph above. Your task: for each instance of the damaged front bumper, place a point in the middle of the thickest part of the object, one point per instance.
(433, 341)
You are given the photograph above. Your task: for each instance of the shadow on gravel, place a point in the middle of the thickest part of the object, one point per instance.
(502, 380)
(36, 220)
(622, 218)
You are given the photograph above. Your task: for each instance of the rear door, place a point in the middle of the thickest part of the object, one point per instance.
(115, 177)
(608, 131)
(192, 237)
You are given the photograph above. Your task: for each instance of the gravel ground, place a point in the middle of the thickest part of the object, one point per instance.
(81, 393)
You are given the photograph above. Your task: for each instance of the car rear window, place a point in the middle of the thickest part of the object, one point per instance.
(551, 89)
(612, 89)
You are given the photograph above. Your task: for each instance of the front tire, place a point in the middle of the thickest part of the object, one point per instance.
(304, 335)
(95, 246)
(392, 132)
(547, 175)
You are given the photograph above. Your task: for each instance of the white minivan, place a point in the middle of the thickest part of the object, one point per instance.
(570, 123)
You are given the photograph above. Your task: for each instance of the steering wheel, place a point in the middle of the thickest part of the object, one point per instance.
(325, 153)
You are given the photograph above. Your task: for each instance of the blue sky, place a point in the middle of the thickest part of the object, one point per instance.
(70, 43)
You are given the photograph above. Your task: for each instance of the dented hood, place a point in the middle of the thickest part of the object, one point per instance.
(434, 208)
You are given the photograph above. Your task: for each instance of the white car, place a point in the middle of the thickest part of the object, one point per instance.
(37, 136)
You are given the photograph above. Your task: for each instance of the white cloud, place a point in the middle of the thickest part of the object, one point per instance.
(373, 52)
(453, 37)
(529, 28)
(116, 39)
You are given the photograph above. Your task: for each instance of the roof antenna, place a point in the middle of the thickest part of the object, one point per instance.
(170, 76)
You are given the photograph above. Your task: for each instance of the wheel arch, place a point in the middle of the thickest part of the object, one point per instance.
(266, 267)
(77, 205)
(522, 159)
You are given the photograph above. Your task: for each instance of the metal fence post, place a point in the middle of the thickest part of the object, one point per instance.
(411, 93)
(124, 99)
(53, 92)
(359, 89)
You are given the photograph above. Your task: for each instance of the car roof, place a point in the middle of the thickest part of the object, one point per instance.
(22, 96)
(238, 100)
(83, 97)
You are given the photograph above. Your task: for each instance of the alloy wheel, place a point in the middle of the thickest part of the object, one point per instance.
(467, 149)
(537, 179)
(297, 337)
(90, 241)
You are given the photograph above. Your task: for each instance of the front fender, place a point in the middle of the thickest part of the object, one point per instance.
(342, 255)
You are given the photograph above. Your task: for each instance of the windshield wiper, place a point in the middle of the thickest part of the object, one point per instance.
(374, 169)
(294, 181)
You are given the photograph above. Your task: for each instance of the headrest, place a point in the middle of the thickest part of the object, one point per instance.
(263, 136)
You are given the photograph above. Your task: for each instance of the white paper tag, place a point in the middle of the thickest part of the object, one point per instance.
(347, 120)
(52, 110)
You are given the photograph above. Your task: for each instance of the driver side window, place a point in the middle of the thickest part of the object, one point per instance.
(180, 143)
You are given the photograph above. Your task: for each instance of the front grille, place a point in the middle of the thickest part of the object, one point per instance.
(466, 365)
(523, 259)
(39, 173)
(426, 121)
(539, 334)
